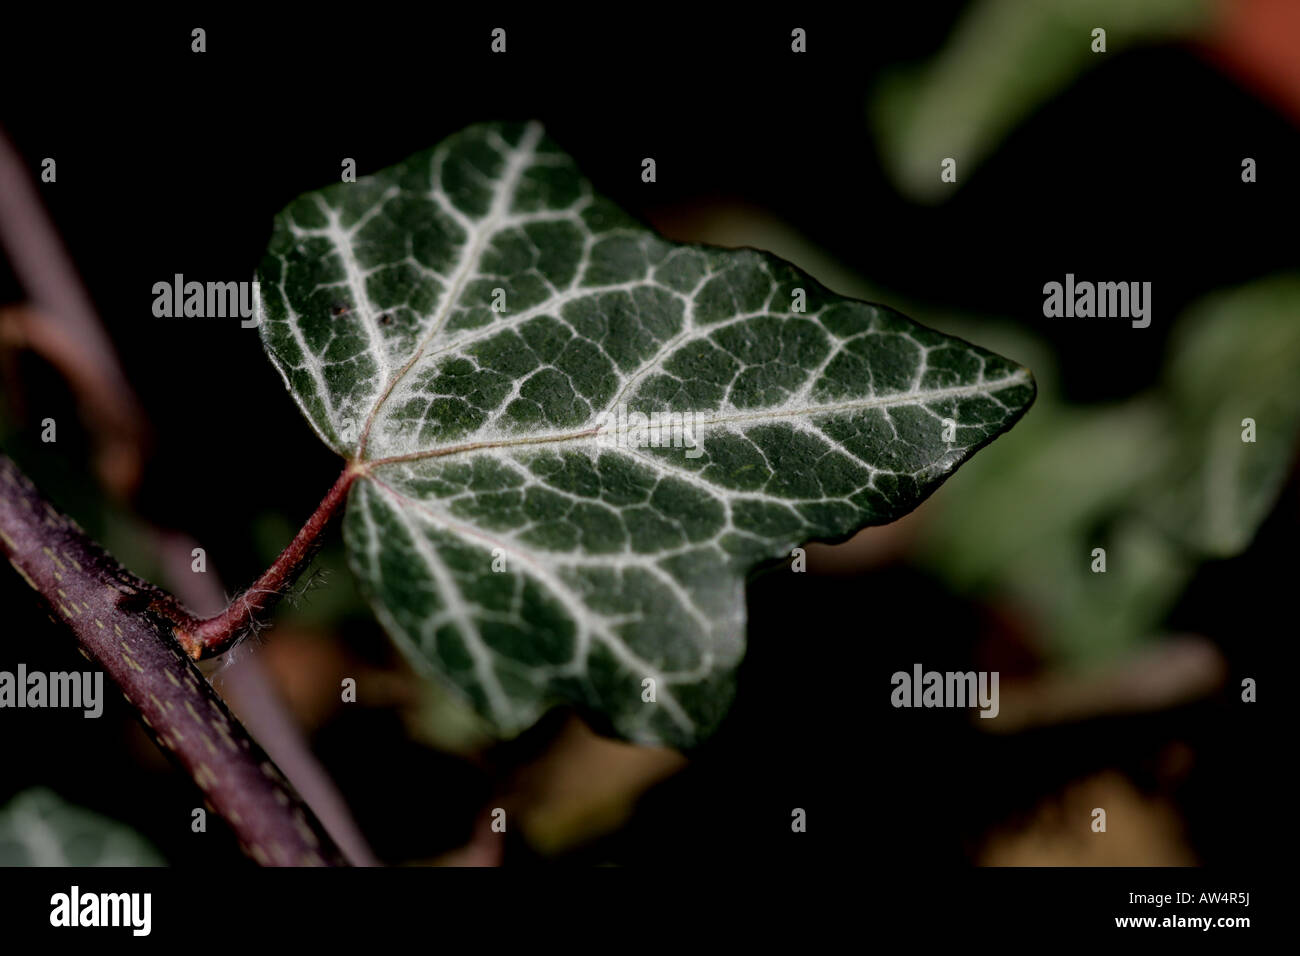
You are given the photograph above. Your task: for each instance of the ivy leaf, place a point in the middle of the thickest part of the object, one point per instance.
(475, 330)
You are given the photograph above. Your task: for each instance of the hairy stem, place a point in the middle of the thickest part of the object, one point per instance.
(113, 615)
(207, 637)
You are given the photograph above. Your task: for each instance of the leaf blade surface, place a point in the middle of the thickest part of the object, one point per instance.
(488, 339)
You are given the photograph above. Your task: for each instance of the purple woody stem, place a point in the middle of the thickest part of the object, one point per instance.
(113, 615)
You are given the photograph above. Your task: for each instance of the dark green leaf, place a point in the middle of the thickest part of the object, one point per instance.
(473, 327)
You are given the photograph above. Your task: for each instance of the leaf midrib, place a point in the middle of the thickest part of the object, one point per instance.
(914, 397)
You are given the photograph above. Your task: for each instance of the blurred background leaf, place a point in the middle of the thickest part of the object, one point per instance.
(1161, 481)
(39, 828)
(1235, 355)
(1004, 59)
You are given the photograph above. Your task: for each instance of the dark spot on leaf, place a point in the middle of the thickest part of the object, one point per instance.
(385, 319)
(337, 309)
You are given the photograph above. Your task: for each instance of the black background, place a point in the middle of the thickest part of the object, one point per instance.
(174, 162)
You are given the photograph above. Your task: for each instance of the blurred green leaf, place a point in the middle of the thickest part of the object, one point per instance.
(1235, 356)
(1025, 524)
(1004, 59)
(39, 828)
(1161, 482)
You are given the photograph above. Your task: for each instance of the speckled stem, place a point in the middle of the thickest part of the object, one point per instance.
(110, 611)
